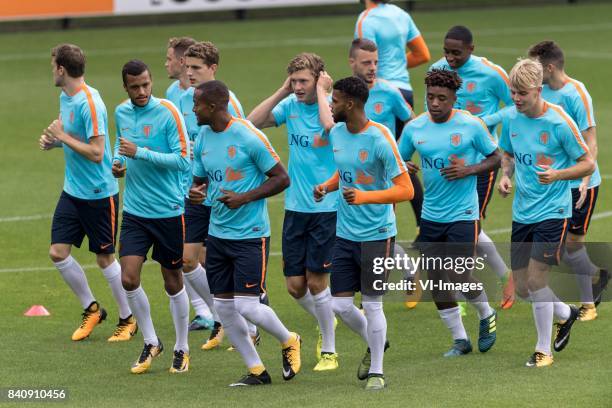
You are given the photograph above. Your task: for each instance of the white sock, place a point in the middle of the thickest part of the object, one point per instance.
(408, 268)
(583, 268)
(481, 303)
(199, 282)
(112, 273)
(486, 248)
(377, 331)
(139, 303)
(74, 276)
(252, 329)
(235, 327)
(307, 302)
(179, 308)
(325, 317)
(262, 316)
(199, 306)
(452, 319)
(350, 315)
(542, 307)
(560, 310)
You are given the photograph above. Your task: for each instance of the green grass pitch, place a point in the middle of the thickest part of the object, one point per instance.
(37, 352)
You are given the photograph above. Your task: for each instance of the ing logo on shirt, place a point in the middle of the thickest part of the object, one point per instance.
(319, 141)
(231, 152)
(455, 139)
(542, 159)
(473, 108)
(544, 138)
(378, 107)
(363, 178)
(146, 130)
(363, 155)
(470, 86)
(233, 175)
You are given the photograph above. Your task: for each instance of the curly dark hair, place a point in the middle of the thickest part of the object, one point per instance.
(443, 78)
(354, 87)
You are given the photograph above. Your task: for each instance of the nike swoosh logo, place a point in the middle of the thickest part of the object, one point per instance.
(204, 153)
(175, 262)
(326, 265)
(286, 373)
(336, 150)
(105, 246)
(420, 142)
(124, 129)
(548, 255)
(250, 285)
(557, 343)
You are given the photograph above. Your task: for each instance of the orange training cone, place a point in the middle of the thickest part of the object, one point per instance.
(37, 310)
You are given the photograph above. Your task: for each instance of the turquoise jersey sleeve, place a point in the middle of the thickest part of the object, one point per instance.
(572, 141)
(199, 170)
(280, 111)
(178, 159)
(581, 109)
(406, 147)
(413, 31)
(401, 109)
(234, 106)
(262, 152)
(388, 153)
(502, 89)
(504, 139)
(483, 142)
(94, 117)
(116, 156)
(495, 118)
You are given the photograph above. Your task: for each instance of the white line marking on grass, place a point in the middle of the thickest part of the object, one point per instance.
(26, 218)
(343, 40)
(605, 214)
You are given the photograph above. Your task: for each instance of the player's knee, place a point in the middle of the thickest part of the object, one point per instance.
(129, 282)
(58, 254)
(246, 307)
(296, 289)
(105, 260)
(316, 286)
(341, 307)
(189, 264)
(535, 283)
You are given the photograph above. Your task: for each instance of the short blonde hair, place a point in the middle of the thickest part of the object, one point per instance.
(306, 60)
(206, 51)
(526, 74)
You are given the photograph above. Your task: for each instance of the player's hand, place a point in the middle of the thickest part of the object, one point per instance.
(457, 169)
(349, 195)
(319, 192)
(583, 189)
(413, 168)
(127, 148)
(548, 176)
(505, 186)
(118, 170)
(46, 142)
(55, 130)
(325, 82)
(197, 194)
(287, 88)
(231, 199)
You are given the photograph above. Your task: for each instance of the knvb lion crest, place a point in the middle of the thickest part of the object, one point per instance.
(231, 151)
(470, 86)
(363, 155)
(146, 130)
(455, 139)
(544, 138)
(378, 108)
